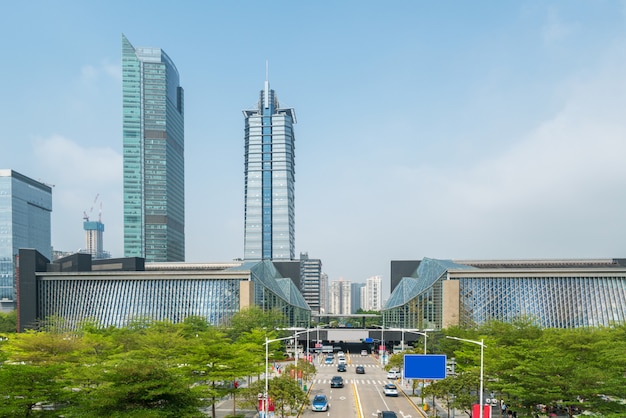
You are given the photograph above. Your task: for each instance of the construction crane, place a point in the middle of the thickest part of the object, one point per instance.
(87, 215)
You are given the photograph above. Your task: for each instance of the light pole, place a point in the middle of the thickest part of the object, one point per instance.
(481, 343)
(412, 332)
(267, 343)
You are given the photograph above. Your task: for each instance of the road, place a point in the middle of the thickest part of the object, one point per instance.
(362, 395)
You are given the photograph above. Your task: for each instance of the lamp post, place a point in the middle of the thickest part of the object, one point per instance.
(413, 332)
(267, 343)
(482, 349)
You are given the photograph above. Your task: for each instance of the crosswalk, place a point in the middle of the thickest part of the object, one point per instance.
(357, 381)
(353, 364)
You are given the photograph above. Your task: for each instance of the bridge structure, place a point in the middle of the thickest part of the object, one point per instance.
(354, 340)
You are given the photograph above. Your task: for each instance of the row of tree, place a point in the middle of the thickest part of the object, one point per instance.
(145, 369)
(533, 370)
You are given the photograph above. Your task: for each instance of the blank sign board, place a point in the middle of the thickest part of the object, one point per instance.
(425, 366)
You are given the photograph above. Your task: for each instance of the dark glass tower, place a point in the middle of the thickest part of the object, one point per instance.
(154, 165)
(269, 180)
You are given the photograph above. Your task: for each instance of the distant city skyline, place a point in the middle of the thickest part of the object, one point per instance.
(488, 130)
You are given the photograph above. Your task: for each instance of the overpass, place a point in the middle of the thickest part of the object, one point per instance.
(354, 340)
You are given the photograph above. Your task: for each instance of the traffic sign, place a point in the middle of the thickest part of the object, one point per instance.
(424, 366)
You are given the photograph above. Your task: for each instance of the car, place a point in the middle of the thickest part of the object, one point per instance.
(341, 360)
(390, 390)
(329, 360)
(341, 367)
(387, 414)
(319, 403)
(364, 352)
(340, 354)
(360, 370)
(393, 374)
(336, 382)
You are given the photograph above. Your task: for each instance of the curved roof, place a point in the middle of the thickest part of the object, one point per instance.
(265, 273)
(429, 271)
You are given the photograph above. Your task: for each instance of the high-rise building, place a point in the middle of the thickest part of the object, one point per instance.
(310, 274)
(25, 207)
(374, 286)
(340, 299)
(324, 293)
(269, 180)
(356, 295)
(93, 238)
(154, 165)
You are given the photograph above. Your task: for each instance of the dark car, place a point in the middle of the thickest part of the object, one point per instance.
(360, 370)
(341, 368)
(336, 382)
(387, 414)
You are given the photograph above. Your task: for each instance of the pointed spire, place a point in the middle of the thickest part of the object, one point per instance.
(267, 85)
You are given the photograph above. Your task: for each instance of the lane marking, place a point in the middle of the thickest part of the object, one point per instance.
(359, 408)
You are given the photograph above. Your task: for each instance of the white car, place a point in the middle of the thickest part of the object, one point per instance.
(342, 360)
(364, 352)
(390, 390)
(393, 374)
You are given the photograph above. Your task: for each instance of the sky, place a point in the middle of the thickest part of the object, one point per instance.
(451, 130)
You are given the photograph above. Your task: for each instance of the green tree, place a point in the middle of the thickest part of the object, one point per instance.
(25, 385)
(140, 387)
(254, 317)
(8, 322)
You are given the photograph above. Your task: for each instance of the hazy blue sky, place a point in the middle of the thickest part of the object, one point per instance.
(482, 129)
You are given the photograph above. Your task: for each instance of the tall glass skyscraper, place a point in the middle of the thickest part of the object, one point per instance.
(269, 180)
(154, 165)
(25, 207)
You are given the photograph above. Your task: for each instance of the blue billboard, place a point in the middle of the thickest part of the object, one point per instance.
(425, 366)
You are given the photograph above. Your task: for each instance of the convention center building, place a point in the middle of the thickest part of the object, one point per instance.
(435, 294)
(114, 292)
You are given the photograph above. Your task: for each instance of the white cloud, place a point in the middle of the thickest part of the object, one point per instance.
(79, 174)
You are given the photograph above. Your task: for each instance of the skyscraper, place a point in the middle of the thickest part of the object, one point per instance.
(154, 166)
(25, 207)
(374, 286)
(269, 180)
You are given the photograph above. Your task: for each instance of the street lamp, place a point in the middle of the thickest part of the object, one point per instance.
(267, 344)
(482, 349)
(412, 332)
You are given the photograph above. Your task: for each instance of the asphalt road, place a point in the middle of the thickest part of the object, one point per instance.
(362, 395)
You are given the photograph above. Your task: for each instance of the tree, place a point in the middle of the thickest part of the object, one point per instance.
(141, 387)
(8, 322)
(25, 385)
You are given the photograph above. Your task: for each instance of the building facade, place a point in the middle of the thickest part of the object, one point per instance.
(115, 292)
(340, 297)
(25, 208)
(153, 147)
(552, 293)
(374, 296)
(356, 295)
(269, 224)
(94, 242)
(324, 306)
(310, 281)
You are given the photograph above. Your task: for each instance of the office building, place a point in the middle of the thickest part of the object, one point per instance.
(153, 148)
(269, 180)
(306, 274)
(25, 208)
(552, 293)
(114, 292)
(310, 281)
